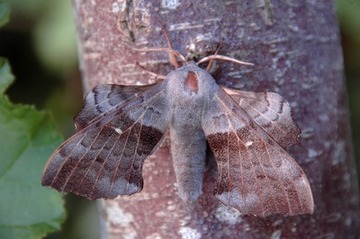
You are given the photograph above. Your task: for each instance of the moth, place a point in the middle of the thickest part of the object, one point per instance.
(120, 126)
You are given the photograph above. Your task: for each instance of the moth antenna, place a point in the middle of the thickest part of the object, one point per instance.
(224, 58)
(172, 57)
(157, 76)
(212, 60)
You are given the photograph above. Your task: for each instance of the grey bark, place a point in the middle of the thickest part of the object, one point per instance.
(296, 50)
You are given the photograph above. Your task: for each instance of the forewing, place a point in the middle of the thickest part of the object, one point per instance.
(104, 159)
(255, 174)
(104, 98)
(270, 111)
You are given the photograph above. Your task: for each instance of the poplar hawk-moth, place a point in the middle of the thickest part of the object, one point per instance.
(120, 126)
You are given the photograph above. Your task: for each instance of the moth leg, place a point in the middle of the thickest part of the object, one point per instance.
(173, 54)
(157, 76)
(212, 60)
(172, 57)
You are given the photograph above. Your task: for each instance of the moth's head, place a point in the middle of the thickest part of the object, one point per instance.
(190, 81)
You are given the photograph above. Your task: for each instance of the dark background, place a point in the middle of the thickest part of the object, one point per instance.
(40, 44)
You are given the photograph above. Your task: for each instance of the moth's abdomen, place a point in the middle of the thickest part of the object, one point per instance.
(188, 150)
(188, 89)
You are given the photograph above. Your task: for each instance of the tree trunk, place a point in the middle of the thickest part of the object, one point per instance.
(296, 50)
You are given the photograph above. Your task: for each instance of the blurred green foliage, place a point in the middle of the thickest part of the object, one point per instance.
(39, 41)
(27, 137)
(4, 13)
(349, 18)
(6, 77)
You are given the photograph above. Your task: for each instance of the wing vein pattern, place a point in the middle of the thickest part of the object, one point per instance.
(117, 130)
(256, 175)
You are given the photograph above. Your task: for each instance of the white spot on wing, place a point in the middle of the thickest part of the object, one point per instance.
(118, 130)
(249, 143)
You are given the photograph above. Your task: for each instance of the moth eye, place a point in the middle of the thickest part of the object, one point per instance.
(191, 82)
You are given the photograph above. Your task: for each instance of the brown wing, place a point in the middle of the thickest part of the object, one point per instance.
(104, 158)
(255, 174)
(270, 111)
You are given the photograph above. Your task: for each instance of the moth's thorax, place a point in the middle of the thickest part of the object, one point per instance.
(189, 90)
(190, 83)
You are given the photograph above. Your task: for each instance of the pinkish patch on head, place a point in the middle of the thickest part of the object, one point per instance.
(191, 82)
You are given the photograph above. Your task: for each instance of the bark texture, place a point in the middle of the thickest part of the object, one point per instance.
(296, 50)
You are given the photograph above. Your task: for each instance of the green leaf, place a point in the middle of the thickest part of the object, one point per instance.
(349, 17)
(55, 37)
(6, 78)
(27, 138)
(4, 13)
